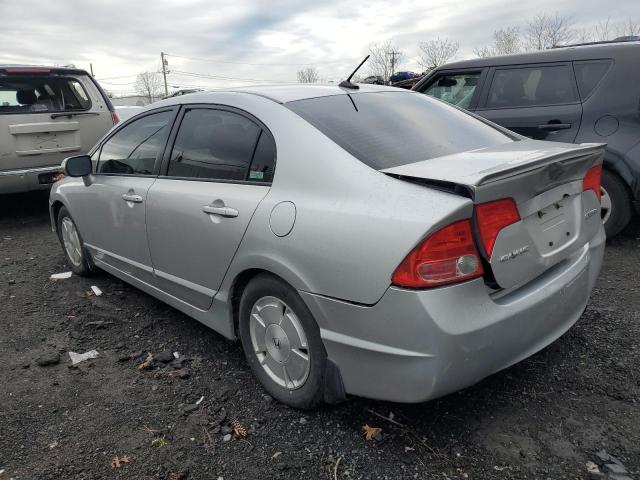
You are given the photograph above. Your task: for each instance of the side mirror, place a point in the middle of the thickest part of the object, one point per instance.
(78, 166)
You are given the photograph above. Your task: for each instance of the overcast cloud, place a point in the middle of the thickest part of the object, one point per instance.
(124, 37)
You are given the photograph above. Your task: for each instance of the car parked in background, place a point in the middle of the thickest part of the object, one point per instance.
(126, 111)
(47, 113)
(374, 80)
(399, 76)
(365, 240)
(184, 91)
(584, 93)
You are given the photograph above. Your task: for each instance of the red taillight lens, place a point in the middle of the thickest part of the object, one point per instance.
(447, 256)
(591, 180)
(115, 117)
(493, 217)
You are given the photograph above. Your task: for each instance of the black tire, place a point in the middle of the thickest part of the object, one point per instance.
(85, 265)
(311, 392)
(621, 207)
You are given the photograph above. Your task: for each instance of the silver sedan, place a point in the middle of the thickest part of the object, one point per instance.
(367, 241)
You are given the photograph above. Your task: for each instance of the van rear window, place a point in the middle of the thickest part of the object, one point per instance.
(42, 94)
(388, 129)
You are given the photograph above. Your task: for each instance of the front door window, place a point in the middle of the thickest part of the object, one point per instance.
(457, 89)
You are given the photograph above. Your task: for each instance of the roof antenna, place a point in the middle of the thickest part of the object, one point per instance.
(347, 83)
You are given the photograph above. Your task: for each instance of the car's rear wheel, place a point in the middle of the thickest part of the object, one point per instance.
(72, 244)
(282, 342)
(616, 204)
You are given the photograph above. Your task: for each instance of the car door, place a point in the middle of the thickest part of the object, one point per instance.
(218, 170)
(460, 87)
(539, 101)
(110, 209)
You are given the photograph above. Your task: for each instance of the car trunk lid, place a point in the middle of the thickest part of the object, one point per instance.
(545, 181)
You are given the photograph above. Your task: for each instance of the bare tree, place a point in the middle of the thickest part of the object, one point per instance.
(545, 31)
(506, 41)
(603, 32)
(308, 75)
(385, 59)
(436, 52)
(484, 52)
(148, 84)
(628, 28)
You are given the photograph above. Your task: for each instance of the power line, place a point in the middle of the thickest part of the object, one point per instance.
(115, 78)
(222, 77)
(114, 83)
(210, 60)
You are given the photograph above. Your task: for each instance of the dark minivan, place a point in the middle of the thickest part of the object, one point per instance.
(575, 94)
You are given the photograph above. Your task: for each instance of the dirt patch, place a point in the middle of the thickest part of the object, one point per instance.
(543, 418)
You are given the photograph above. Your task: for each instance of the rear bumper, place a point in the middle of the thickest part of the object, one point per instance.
(413, 345)
(27, 179)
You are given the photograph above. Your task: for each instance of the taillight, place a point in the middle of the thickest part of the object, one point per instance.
(591, 180)
(115, 117)
(447, 256)
(493, 217)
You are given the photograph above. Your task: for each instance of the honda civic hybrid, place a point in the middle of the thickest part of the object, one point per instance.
(362, 241)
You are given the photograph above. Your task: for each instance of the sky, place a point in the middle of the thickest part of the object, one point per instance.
(212, 43)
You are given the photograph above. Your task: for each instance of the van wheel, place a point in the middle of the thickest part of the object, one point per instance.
(282, 343)
(77, 255)
(616, 204)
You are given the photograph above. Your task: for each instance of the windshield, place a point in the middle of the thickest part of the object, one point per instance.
(42, 94)
(388, 129)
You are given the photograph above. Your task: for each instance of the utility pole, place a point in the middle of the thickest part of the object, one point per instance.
(164, 72)
(91, 68)
(393, 54)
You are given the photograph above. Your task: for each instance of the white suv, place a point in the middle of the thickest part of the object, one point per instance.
(47, 114)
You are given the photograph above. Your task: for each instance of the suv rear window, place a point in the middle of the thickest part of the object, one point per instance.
(388, 129)
(42, 94)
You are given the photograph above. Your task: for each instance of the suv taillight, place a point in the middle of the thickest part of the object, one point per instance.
(591, 180)
(446, 256)
(115, 117)
(492, 217)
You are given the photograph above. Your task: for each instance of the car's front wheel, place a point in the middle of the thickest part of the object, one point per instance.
(616, 204)
(282, 342)
(72, 244)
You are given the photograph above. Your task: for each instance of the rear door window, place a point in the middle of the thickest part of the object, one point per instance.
(388, 129)
(42, 94)
(135, 148)
(215, 145)
(532, 86)
(589, 74)
(457, 89)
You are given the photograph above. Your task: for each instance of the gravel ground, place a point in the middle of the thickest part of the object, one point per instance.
(543, 418)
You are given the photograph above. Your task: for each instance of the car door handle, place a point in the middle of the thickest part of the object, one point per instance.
(131, 197)
(552, 127)
(222, 211)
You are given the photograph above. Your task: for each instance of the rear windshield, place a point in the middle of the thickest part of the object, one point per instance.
(388, 129)
(42, 94)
